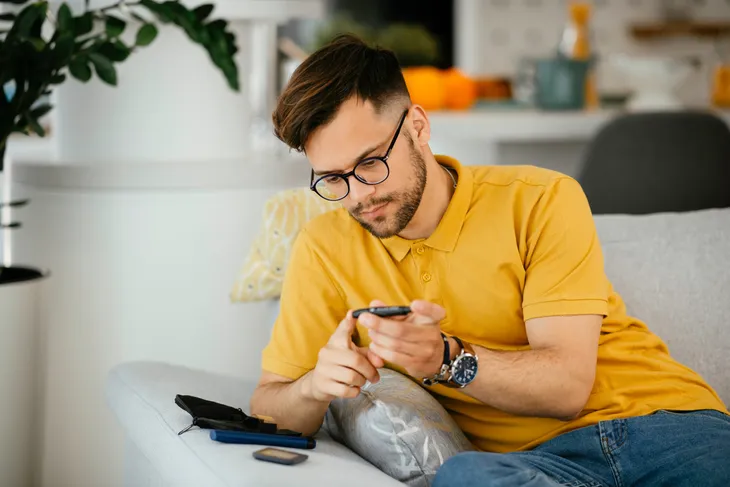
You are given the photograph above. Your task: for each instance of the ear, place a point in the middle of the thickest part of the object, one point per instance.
(421, 125)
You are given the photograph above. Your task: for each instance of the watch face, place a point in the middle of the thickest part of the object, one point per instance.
(465, 370)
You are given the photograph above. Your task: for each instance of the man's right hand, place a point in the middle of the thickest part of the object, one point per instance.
(342, 367)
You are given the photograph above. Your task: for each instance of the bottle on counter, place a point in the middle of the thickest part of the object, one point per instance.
(575, 43)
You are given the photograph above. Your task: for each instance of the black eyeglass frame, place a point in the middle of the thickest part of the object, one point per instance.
(346, 176)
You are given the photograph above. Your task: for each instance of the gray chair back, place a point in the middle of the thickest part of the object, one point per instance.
(658, 162)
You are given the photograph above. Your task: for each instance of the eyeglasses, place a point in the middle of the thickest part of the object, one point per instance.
(371, 171)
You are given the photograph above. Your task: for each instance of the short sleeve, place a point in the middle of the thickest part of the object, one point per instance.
(564, 262)
(311, 306)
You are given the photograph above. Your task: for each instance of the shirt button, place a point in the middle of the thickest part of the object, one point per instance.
(420, 250)
(426, 276)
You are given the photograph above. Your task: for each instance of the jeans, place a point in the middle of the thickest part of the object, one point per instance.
(668, 449)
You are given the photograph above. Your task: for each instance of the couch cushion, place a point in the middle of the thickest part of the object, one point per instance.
(142, 396)
(398, 427)
(673, 272)
(285, 213)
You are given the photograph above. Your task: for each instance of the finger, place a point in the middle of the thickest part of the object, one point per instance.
(357, 362)
(376, 303)
(427, 309)
(376, 361)
(347, 376)
(413, 349)
(342, 337)
(403, 330)
(393, 356)
(338, 389)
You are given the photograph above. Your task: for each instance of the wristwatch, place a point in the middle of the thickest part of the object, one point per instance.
(457, 373)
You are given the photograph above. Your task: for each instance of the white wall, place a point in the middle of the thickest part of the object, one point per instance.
(135, 274)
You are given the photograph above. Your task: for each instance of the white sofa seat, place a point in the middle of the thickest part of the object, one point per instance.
(142, 394)
(671, 269)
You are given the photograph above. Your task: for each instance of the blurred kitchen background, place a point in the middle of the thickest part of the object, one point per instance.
(512, 73)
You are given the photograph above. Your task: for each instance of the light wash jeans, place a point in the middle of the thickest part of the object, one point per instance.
(667, 449)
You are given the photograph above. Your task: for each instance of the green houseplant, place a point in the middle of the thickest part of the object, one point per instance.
(42, 46)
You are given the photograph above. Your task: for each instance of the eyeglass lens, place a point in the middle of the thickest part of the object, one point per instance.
(368, 171)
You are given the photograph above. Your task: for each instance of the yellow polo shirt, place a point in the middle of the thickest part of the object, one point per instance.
(515, 243)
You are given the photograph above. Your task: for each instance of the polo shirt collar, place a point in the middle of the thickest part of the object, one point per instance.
(447, 232)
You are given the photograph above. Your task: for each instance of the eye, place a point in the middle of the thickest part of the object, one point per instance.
(332, 179)
(368, 164)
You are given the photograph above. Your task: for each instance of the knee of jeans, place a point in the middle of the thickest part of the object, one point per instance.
(458, 469)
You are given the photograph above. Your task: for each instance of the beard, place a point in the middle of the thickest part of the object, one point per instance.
(407, 200)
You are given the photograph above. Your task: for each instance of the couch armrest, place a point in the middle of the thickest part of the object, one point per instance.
(141, 394)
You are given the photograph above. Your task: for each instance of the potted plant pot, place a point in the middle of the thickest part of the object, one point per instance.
(19, 356)
(19, 375)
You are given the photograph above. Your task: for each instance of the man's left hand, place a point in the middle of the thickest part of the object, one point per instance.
(413, 342)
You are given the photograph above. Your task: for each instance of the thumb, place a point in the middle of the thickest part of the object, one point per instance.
(374, 359)
(430, 311)
(342, 337)
(376, 303)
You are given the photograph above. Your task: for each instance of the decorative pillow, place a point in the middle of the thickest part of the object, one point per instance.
(284, 215)
(397, 426)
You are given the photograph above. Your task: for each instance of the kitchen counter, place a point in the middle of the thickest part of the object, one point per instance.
(516, 136)
(516, 125)
(525, 125)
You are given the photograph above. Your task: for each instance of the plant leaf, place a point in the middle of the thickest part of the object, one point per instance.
(115, 50)
(35, 126)
(146, 34)
(80, 69)
(38, 44)
(58, 79)
(184, 18)
(105, 70)
(203, 12)
(27, 20)
(64, 49)
(83, 24)
(114, 26)
(218, 52)
(41, 110)
(65, 19)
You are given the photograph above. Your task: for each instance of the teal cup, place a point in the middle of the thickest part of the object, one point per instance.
(560, 83)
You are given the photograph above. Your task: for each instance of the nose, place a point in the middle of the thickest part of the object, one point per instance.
(359, 191)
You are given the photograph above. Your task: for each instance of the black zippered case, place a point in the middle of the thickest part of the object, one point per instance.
(214, 415)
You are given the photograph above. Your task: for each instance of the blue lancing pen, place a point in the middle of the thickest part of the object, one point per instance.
(243, 437)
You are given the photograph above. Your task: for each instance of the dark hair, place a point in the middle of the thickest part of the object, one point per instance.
(344, 67)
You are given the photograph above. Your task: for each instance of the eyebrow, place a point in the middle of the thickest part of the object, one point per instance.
(359, 158)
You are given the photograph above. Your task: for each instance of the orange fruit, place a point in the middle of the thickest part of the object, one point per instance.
(426, 86)
(461, 90)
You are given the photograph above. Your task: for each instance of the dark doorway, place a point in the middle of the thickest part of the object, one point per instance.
(437, 16)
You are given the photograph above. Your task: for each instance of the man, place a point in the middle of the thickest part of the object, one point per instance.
(502, 263)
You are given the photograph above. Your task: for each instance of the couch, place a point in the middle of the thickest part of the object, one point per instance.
(672, 269)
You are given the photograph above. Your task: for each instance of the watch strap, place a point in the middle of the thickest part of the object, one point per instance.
(441, 375)
(460, 343)
(447, 351)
